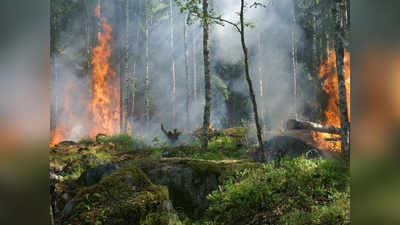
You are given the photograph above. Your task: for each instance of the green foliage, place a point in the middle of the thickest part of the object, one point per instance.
(87, 142)
(124, 142)
(297, 191)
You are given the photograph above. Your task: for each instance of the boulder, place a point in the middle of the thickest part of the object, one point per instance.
(125, 197)
(190, 181)
(95, 174)
(281, 146)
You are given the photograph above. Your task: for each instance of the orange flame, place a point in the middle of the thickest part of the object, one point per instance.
(332, 113)
(102, 109)
(105, 100)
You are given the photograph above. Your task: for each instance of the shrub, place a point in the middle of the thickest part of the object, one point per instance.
(124, 142)
(297, 191)
(87, 142)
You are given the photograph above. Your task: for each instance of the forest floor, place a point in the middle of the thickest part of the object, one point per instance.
(121, 180)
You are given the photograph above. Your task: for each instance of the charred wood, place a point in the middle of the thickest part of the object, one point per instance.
(306, 125)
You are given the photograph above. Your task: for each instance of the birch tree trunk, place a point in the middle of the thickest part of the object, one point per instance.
(339, 49)
(207, 82)
(173, 73)
(252, 96)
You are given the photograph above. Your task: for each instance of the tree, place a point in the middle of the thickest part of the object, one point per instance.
(173, 72)
(207, 82)
(186, 49)
(147, 11)
(252, 95)
(340, 49)
(126, 70)
(207, 19)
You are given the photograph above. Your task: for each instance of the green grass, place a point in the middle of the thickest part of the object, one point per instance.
(297, 191)
(124, 142)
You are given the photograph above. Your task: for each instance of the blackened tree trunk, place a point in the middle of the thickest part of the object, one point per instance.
(207, 82)
(339, 49)
(252, 96)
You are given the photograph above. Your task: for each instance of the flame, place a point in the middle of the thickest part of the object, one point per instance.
(327, 71)
(101, 110)
(63, 128)
(105, 89)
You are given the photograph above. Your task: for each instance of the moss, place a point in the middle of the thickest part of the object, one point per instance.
(125, 197)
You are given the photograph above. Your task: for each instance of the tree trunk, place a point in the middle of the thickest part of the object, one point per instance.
(207, 82)
(186, 49)
(194, 41)
(252, 96)
(147, 65)
(294, 62)
(126, 70)
(173, 72)
(121, 66)
(339, 49)
(261, 84)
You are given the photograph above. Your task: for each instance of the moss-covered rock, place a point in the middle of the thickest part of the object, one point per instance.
(126, 197)
(190, 181)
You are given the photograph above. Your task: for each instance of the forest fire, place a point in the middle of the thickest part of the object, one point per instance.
(105, 100)
(101, 110)
(63, 129)
(327, 71)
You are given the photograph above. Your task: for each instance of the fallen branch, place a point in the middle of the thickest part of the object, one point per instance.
(306, 125)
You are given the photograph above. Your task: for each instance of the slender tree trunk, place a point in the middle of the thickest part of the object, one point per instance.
(194, 54)
(252, 96)
(173, 72)
(261, 84)
(339, 49)
(186, 49)
(294, 62)
(53, 109)
(125, 87)
(121, 67)
(147, 65)
(207, 82)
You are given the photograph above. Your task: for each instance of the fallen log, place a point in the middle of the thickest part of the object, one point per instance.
(306, 125)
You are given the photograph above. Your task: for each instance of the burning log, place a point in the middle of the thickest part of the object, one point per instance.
(306, 125)
(172, 135)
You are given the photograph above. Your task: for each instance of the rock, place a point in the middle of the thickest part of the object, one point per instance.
(126, 196)
(189, 181)
(281, 146)
(95, 174)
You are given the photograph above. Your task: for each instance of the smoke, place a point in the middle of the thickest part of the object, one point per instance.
(270, 57)
(268, 43)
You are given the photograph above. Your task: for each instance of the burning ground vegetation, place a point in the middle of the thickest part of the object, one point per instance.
(121, 180)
